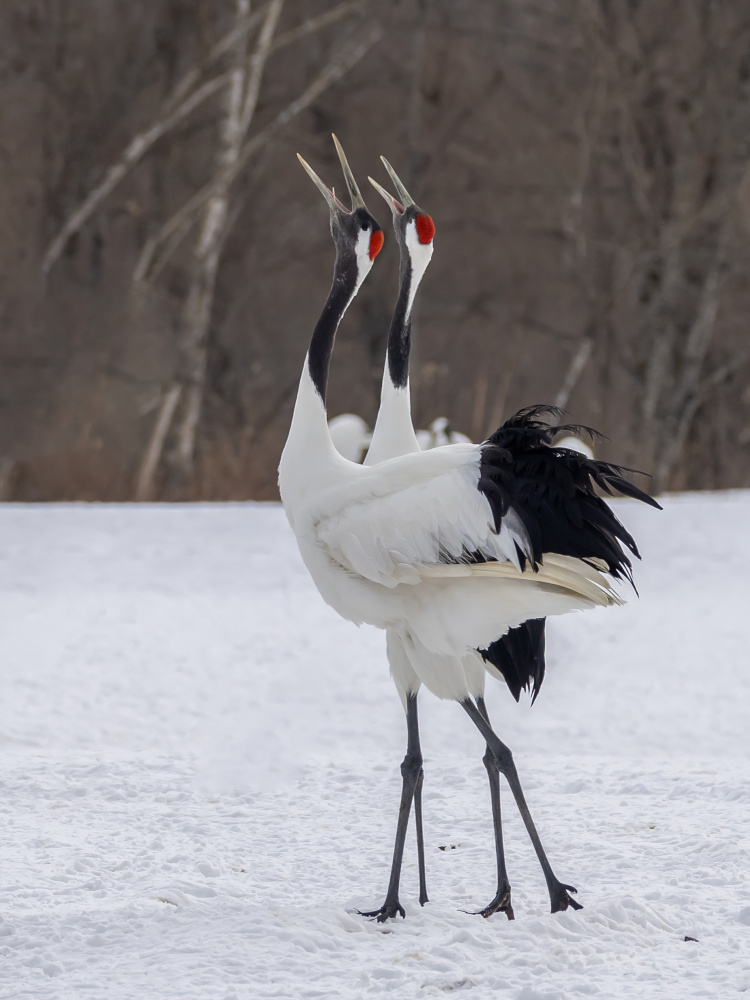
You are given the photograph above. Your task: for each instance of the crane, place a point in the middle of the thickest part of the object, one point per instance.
(447, 549)
(518, 656)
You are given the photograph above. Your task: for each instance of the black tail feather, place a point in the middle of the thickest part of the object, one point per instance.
(519, 657)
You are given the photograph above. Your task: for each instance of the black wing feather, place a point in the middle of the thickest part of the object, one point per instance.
(553, 491)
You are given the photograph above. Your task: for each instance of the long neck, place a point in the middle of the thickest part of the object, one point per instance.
(343, 290)
(394, 432)
(399, 335)
(309, 450)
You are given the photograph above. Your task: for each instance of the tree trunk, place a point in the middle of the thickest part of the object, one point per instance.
(241, 101)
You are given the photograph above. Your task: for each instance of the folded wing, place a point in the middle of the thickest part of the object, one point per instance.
(418, 511)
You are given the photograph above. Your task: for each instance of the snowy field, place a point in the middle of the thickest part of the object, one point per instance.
(200, 775)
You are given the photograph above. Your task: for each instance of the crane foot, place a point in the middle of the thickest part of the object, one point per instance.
(559, 898)
(500, 904)
(389, 909)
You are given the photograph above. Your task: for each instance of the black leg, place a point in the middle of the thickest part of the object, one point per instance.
(423, 897)
(411, 771)
(558, 892)
(501, 903)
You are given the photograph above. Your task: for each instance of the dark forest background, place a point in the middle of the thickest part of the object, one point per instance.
(164, 257)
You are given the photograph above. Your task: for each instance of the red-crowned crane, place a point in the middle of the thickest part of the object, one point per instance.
(518, 656)
(446, 549)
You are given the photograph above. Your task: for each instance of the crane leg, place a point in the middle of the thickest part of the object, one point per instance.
(558, 892)
(413, 776)
(501, 903)
(423, 897)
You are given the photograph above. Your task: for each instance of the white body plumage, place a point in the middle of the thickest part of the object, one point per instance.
(445, 549)
(384, 545)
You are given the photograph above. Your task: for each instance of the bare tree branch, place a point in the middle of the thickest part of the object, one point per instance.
(161, 259)
(686, 398)
(621, 93)
(535, 326)
(181, 103)
(134, 151)
(574, 372)
(660, 321)
(723, 372)
(241, 28)
(316, 23)
(257, 65)
(341, 63)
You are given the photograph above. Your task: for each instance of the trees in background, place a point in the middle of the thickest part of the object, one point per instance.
(230, 74)
(586, 165)
(664, 132)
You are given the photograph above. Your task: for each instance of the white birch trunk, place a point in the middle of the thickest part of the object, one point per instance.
(241, 101)
(144, 486)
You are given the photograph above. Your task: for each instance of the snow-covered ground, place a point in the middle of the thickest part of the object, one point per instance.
(200, 775)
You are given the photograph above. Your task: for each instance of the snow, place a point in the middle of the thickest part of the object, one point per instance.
(200, 775)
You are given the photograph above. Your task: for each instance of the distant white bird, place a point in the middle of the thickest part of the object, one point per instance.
(449, 548)
(351, 436)
(440, 433)
(574, 443)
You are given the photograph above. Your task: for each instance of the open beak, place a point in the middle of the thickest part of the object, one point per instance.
(397, 207)
(333, 202)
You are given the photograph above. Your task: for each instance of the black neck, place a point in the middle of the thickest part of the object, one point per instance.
(399, 336)
(324, 334)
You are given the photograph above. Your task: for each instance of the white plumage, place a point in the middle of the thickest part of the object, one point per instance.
(447, 549)
(380, 543)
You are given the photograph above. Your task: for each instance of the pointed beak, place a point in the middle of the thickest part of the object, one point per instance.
(405, 198)
(328, 193)
(354, 193)
(333, 203)
(395, 206)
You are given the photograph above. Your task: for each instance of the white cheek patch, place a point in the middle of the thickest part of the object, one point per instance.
(362, 250)
(421, 254)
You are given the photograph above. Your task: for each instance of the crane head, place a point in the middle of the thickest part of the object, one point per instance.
(414, 228)
(357, 235)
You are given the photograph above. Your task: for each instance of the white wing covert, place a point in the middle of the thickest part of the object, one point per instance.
(410, 516)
